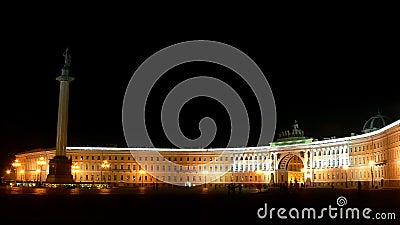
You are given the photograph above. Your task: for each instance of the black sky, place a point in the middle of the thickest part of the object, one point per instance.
(329, 77)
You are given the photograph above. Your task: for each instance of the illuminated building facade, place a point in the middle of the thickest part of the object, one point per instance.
(369, 159)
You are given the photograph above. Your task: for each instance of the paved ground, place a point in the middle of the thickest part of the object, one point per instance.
(188, 206)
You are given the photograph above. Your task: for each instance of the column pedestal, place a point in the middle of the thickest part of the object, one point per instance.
(60, 171)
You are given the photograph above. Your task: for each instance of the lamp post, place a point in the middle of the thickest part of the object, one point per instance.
(37, 175)
(22, 172)
(346, 167)
(75, 169)
(372, 163)
(16, 164)
(205, 172)
(104, 165)
(8, 172)
(142, 172)
(41, 162)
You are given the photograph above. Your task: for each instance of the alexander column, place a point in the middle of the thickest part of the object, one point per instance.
(60, 165)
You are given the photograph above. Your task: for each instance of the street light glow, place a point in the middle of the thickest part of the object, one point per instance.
(41, 161)
(16, 163)
(371, 163)
(105, 164)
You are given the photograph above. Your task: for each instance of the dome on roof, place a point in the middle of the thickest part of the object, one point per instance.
(375, 123)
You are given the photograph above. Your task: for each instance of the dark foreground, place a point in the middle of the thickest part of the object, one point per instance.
(187, 206)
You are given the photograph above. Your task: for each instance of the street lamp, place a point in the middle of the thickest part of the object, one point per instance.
(104, 165)
(41, 162)
(205, 172)
(346, 167)
(16, 164)
(8, 172)
(372, 163)
(75, 169)
(142, 172)
(22, 172)
(37, 174)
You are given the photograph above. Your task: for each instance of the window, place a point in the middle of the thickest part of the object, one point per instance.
(87, 157)
(129, 166)
(129, 158)
(81, 157)
(122, 167)
(122, 158)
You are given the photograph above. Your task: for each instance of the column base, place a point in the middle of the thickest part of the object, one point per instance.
(60, 171)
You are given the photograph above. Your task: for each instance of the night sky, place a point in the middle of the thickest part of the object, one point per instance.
(329, 77)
